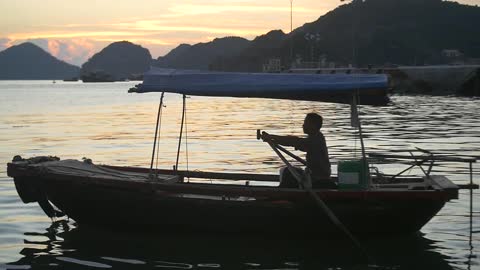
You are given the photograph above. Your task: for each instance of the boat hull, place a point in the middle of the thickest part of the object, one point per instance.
(154, 205)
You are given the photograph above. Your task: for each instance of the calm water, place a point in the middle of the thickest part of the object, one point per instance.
(105, 123)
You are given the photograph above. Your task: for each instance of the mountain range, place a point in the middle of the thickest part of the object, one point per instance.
(362, 32)
(201, 55)
(252, 57)
(404, 32)
(378, 32)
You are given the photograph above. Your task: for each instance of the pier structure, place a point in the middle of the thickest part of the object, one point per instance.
(433, 79)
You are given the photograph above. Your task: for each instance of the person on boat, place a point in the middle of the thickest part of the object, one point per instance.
(318, 163)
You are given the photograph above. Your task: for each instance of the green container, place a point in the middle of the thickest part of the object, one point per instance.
(353, 174)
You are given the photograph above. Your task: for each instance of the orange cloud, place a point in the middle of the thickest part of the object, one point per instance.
(75, 51)
(197, 9)
(58, 34)
(53, 47)
(5, 43)
(161, 26)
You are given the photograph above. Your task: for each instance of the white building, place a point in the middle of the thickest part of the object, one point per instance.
(273, 65)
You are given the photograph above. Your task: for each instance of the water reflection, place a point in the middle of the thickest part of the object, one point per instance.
(72, 248)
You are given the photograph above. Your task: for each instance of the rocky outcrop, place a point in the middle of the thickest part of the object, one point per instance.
(255, 55)
(201, 55)
(119, 60)
(29, 62)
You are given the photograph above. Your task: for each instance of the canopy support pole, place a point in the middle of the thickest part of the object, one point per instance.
(160, 105)
(360, 133)
(186, 138)
(181, 132)
(357, 123)
(471, 202)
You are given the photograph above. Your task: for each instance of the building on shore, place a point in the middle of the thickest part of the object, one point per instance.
(273, 65)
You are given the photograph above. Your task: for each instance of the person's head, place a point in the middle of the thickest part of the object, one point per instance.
(312, 124)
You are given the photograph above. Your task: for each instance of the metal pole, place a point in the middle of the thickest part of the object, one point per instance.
(364, 156)
(471, 199)
(353, 46)
(291, 16)
(156, 132)
(181, 133)
(291, 29)
(360, 135)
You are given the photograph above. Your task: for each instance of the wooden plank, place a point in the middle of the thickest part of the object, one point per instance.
(467, 186)
(443, 182)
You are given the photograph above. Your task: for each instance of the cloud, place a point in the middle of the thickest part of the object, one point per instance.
(197, 9)
(5, 43)
(161, 26)
(70, 34)
(186, 20)
(74, 51)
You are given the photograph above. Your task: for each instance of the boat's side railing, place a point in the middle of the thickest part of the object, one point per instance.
(419, 160)
(426, 157)
(206, 175)
(430, 159)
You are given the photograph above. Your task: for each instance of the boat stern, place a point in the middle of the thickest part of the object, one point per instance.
(440, 182)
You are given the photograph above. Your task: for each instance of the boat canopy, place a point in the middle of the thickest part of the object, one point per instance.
(314, 87)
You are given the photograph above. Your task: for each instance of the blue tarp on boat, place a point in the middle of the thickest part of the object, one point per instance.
(321, 87)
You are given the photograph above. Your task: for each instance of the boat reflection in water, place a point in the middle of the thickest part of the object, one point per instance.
(73, 248)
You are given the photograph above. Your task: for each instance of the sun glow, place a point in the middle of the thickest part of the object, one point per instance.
(75, 32)
(160, 26)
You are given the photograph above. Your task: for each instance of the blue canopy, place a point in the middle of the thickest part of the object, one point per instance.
(316, 87)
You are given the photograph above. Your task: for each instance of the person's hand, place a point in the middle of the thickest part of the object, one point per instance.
(266, 136)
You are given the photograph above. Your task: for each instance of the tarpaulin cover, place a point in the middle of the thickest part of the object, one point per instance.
(322, 87)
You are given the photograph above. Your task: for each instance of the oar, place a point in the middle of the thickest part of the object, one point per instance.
(297, 158)
(319, 202)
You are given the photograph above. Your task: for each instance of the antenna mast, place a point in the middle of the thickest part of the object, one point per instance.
(291, 16)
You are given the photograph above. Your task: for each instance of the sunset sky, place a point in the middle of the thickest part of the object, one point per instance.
(73, 30)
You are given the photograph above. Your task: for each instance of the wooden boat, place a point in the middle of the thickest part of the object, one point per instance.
(97, 76)
(130, 198)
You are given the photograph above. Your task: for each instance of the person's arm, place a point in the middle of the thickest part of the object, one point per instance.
(294, 141)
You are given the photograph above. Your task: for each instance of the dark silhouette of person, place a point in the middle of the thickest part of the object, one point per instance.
(314, 144)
